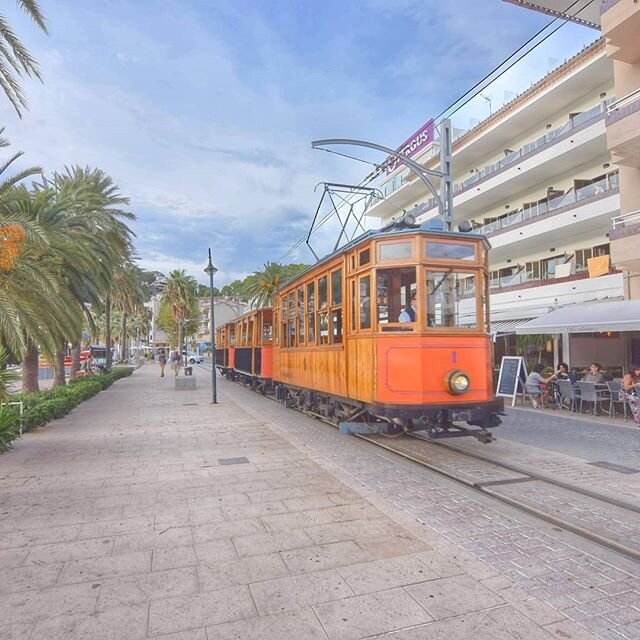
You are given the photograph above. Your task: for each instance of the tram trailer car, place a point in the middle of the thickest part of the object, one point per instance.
(391, 334)
(246, 349)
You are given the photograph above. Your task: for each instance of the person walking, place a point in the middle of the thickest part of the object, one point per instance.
(175, 361)
(162, 361)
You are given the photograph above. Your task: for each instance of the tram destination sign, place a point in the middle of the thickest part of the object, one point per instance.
(413, 145)
(513, 373)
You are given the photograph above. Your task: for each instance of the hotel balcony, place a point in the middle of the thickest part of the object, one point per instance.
(539, 160)
(521, 297)
(624, 239)
(623, 128)
(558, 221)
(620, 20)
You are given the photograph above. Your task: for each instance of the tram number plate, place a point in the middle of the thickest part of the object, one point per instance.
(461, 416)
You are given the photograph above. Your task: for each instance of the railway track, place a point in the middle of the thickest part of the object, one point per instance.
(609, 522)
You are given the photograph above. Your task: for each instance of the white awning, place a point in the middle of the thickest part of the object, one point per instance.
(592, 317)
(505, 327)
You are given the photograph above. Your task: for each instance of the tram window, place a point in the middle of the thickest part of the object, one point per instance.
(311, 307)
(451, 251)
(267, 331)
(291, 320)
(365, 257)
(336, 287)
(250, 326)
(336, 326)
(301, 332)
(365, 302)
(285, 333)
(394, 288)
(354, 305)
(449, 299)
(395, 250)
(323, 327)
(232, 336)
(322, 292)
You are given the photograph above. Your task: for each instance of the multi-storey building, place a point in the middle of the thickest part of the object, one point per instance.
(619, 21)
(537, 178)
(225, 309)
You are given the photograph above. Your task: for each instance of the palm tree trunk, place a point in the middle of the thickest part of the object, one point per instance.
(107, 329)
(59, 379)
(75, 360)
(179, 347)
(30, 368)
(123, 337)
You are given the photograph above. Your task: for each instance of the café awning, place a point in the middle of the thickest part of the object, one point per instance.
(505, 327)
(592, 317)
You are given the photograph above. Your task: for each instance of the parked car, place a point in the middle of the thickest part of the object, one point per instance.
(192, 357)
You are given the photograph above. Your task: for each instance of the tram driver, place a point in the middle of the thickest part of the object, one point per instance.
(409, 314)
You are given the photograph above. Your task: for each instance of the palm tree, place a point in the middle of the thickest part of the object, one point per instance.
(263, 284)
(180, 298)
(128, 295)
(15, 60)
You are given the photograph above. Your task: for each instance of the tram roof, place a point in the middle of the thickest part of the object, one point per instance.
(428, 227)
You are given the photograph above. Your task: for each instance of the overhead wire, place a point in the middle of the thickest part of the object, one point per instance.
(478, 85)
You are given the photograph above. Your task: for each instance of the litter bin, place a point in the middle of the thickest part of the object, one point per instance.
(188, 371)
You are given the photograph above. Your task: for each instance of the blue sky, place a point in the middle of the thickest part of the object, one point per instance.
(203, 111)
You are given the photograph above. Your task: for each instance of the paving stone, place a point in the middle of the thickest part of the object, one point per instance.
(16, 631)
(194, 634)
(226, 529)
(271, 542)
(199, 610)
(119, 623)
(122, 564)
(63, 551)
(386, 574)
(447, 597)
(371, 614)
(325, 556)
(29, 577)
(215, 550)
(30, 606)
(173, 558)
(567, 630)
(540, 612)
(349, 530)
(297, 592)
(302, 624)
(243, 571)
(141, 588)
(475, 625)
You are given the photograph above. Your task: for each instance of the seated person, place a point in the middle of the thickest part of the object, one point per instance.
(594, 375)
(563, 373)
(409, 314)
(536, 380)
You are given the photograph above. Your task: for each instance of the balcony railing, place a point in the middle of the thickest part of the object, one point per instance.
(582, 119)
(624, 107)
(631, 218)
(523, 280)
(568, 201)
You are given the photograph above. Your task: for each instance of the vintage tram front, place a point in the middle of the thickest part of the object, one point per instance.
(392, 331)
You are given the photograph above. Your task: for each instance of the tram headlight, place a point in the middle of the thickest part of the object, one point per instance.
(458, 382)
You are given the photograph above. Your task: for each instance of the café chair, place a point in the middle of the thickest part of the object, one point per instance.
(589, 392)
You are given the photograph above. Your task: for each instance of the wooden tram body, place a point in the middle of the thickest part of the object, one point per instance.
(340, 351)
(244, 348)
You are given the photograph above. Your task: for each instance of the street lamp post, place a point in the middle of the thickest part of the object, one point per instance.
(210, 269)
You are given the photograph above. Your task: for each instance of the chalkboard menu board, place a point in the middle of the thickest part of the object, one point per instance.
(513, 373)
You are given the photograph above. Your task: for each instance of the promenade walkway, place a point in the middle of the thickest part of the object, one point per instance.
(150, 513)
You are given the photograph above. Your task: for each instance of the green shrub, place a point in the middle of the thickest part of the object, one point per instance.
(9, 427)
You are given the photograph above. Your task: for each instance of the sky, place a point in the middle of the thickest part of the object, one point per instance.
(202, 111)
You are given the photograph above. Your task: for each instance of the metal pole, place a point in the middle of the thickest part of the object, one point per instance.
(211, 270)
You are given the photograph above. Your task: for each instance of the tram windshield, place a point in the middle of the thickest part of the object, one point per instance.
(394, 291)
(451, 299)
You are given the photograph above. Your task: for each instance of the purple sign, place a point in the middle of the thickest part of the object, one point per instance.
(418, 141)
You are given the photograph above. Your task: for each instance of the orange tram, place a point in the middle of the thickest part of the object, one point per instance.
(389, 334)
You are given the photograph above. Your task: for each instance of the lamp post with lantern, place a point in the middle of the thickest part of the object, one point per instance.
(210, 269)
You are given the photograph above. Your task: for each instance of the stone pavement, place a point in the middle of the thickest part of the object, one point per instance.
(149, 513)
